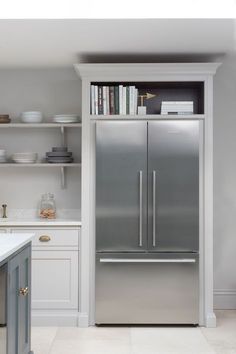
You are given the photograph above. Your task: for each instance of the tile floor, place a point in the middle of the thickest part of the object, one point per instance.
(139, 340)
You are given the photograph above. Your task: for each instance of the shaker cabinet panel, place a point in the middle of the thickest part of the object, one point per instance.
(55, 280)
(19, 303)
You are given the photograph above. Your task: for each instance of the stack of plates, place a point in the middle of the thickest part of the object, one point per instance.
(59, 155)
(66, 118)
(4, 118)
(31, 117)
(24, 157)
(2, 156)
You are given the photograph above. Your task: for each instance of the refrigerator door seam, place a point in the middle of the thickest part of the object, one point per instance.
(140, 208)
(154, 209)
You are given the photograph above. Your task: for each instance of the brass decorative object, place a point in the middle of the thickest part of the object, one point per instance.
(143, 109)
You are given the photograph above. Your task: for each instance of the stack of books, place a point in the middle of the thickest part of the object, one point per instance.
(177, 107)
(109, 100)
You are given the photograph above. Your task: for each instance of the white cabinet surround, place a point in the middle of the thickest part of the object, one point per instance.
(162, 72)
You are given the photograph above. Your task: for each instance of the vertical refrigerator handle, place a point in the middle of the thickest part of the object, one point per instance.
(154, 208)
(140, 208)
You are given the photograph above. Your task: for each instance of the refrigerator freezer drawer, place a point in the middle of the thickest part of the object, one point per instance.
(147, 288)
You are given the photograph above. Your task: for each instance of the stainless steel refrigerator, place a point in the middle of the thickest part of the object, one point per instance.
(147, 222)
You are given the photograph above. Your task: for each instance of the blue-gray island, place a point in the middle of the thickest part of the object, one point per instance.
(15, 293)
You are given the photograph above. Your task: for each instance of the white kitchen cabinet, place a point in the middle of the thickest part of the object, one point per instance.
(54, 280)
(55, 274)
(2, 231)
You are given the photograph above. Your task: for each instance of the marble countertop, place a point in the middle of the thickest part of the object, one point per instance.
(11, 243)
(39, 222)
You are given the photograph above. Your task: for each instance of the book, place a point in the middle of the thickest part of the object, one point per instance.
(135, 101)
(96, 99)
(120, 99)
(92, 100)
(104, 100)
(100, 100)
(124, 100)
(112, 99)
(107, 100)
(131, 100)
(117, 100)
(127, 99)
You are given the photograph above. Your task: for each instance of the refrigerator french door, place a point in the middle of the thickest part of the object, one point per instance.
(147, 221)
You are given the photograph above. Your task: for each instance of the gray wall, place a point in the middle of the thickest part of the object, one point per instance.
(52, 91)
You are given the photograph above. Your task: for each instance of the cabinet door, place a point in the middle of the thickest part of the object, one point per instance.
(121, 186)
(54, 279)
(3, 231)
(19, 303)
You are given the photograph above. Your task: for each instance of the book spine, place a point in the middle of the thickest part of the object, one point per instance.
(120, 99)
(116, 99)
(131, 100)
(136, 101)
(124, 100)
(127, 99)
(91, 99)
(100, 100)
(112, 100)
(108, 100)
(96, 99)
(104, 100)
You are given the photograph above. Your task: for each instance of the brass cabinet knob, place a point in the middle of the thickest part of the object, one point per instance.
(24, 291)
(44, 238)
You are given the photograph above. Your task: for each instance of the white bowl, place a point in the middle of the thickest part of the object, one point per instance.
(31, 119)
(25, 155)
(32, 113)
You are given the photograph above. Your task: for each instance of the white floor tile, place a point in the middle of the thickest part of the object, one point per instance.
(139, 340)
(90, 347)
(169, 340)
(95, 333)
(42, 339)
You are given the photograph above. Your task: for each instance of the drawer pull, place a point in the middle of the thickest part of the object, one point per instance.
(44, 238)
(24, 291)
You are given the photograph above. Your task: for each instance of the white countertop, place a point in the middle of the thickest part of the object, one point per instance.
(38, 222)
(11, 243)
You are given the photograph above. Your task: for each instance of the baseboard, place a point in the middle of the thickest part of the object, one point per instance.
(224, 299)
(54, 318)
(210, 321)
(83, 320)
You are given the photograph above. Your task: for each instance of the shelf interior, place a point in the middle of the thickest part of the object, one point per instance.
(166, 91)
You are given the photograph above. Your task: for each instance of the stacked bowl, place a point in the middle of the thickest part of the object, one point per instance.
(2, 156)
(32, 117)
(24, 157)
(59, 155)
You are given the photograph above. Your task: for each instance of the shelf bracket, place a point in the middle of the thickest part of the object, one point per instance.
(63, 179)
(63, 136)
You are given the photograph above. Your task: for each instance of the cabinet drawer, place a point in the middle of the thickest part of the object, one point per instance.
(52, 237)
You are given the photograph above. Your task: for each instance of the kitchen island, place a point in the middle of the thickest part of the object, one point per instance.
(15, 293)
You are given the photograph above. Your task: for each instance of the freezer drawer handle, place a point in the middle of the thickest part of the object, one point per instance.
(137, 260)
(154, 208)
(140, 208)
